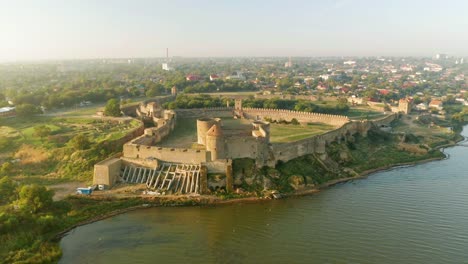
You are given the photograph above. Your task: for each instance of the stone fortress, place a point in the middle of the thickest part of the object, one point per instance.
(183, 170)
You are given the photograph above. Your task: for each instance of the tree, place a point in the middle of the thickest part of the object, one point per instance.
(112, 108)
(26, 110)
(42, 131)
(6, 168)
(154, 89)
(79, 142)
(295, 122)
(34, 198)
(7, 190)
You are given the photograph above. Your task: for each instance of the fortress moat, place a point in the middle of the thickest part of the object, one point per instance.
(185, 145)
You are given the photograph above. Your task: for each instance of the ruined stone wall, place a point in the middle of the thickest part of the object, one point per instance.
(317, 144)
(288, 115)
(205, 112)
(156, 134)
(178, 155)
(131, 109)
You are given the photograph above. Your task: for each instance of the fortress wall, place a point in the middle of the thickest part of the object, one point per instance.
(177, 155)
(218, 166)
(154, 135)
(131, 109)
(316, 144)
(242, 147)
(205, 112)
(294, 97)
(289, 151)
(303, 117)
(139, 162)
(116, 144)
(385, 120)
(376, 106)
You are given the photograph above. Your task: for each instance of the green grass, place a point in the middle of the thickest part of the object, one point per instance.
(370, 155)
(184, 134)
(288, 133)
(50, 158)
(364, 113)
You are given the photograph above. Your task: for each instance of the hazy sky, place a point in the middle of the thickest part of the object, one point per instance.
(75, 29)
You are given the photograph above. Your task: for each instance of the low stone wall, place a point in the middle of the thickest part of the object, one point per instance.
(288, 115)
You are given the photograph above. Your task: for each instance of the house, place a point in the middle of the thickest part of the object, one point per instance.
(7, 111)
(192, 77)
(322, 87)
(383, 91)
(422, 107)
(236, 76)
(437, 104)
(349, 62)
(324, 77)
(214, 77)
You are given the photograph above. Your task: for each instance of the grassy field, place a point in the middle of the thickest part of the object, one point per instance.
(288, 133)
(20, 131)
(184, 134)
(50, 159)
(364, 113)
(433, 135)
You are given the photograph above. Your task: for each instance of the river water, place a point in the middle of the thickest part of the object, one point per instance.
(415, 214)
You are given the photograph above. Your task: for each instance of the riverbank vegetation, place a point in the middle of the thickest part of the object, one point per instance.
(30, 220)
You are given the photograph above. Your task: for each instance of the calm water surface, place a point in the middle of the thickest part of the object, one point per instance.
(415, 214)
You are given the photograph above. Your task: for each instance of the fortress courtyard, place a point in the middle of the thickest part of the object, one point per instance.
(185, 132)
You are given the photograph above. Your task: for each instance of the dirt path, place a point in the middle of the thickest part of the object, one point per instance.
(62, 190)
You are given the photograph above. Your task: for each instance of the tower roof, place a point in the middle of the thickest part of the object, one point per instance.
(215, 131)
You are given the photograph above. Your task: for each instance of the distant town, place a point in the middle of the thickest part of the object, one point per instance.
(86, 139)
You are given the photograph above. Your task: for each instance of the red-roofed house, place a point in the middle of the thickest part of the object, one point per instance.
(214, 77)
(384, 91)
(192, 77)
(436, 104)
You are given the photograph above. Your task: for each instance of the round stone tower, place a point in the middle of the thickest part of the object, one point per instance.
(203, 125)
(215, 142)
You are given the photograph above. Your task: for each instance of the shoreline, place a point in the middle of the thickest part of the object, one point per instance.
(215, 201)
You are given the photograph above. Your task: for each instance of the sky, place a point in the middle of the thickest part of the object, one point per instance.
(83, 29)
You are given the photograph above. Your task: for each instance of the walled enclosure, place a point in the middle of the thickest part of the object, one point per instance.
(221, 148)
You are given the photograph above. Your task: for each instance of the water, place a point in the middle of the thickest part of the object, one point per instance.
(414, 214)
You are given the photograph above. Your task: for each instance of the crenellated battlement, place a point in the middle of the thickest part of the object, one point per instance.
(288, 115)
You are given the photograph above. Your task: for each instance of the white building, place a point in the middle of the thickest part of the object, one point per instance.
(167, 67)
(324, 77)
